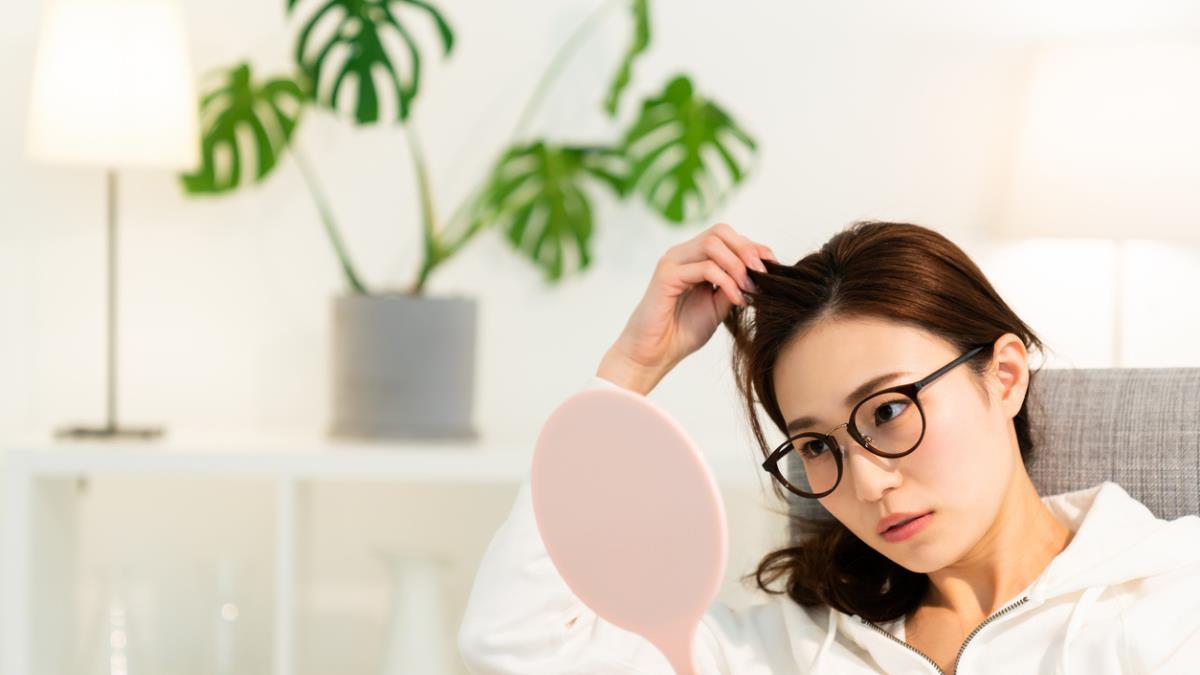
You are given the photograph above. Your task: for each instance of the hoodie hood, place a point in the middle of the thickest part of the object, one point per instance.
(1117, 540)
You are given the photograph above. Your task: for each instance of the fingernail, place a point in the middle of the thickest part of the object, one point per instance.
(759, 266)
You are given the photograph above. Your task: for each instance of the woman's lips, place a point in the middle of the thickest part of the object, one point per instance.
(909, 529)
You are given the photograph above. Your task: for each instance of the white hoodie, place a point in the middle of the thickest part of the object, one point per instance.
(1123, 597)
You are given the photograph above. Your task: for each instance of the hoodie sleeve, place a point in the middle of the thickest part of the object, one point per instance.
(523, 619)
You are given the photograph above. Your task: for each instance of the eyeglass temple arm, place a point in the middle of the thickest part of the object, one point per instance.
(942, 371)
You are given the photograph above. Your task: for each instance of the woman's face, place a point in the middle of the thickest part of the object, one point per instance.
(962, 468)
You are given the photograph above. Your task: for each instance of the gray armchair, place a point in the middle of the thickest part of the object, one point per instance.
(1138, 427)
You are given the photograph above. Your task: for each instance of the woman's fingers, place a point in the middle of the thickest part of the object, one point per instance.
(745, 249)
(717, 250)
(710, 271)
(732, 251)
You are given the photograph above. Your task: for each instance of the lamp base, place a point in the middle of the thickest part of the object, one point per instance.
(109, 433)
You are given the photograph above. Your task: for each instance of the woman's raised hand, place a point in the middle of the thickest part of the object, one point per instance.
(694, 285)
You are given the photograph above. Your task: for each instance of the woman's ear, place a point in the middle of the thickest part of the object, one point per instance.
(1009, 372)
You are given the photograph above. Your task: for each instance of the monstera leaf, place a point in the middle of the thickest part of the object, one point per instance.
(536, 194)
(674, 148)
(641, 41)
(268, 112)
(361, 28)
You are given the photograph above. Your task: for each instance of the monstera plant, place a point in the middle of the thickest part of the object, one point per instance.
(681, 153)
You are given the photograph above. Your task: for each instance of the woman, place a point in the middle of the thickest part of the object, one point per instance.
(990, 577)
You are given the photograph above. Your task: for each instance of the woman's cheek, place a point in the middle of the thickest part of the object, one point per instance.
(945, 452)
(969, 452)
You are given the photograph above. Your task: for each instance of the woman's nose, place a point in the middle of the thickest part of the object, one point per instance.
(868, 473)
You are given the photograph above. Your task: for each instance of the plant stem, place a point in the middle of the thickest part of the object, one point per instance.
(318, 196)
(560, 60)
(432, 254)
(556, 65)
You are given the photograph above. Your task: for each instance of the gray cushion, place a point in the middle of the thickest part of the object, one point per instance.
(1138, 427)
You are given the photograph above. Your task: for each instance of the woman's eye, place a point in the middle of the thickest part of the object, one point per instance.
(889, 411)
(815, 448)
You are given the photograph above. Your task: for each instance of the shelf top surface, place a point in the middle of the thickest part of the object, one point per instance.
(279, 455)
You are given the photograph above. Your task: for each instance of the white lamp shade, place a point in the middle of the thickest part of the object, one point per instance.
(113, 86)
(1108, 144)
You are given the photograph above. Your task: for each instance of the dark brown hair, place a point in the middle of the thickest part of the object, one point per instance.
(900, 272)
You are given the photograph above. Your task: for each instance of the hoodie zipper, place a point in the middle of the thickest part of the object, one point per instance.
(904, 644)
(998, 614)
(986, 621)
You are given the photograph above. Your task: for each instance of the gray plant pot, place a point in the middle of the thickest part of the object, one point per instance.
(403, 367)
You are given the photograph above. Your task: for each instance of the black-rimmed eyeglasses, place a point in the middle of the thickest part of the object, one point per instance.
(889, 423)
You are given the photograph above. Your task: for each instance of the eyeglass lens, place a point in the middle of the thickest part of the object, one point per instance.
(889, 422)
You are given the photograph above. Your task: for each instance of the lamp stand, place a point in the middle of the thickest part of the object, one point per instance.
(111, 430)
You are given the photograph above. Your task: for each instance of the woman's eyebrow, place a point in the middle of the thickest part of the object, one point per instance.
(853, 397)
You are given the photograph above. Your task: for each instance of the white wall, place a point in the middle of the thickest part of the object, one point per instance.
(863, 109)
(891, 110)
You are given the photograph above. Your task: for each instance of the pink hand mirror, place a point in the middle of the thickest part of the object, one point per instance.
(631, 517)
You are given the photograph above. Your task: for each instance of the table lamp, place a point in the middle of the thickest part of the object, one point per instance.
(1107, 145)
(113, 88)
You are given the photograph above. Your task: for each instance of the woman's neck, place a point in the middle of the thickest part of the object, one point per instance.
(1021, 543)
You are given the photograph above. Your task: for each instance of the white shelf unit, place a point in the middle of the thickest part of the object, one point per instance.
(40, 511)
